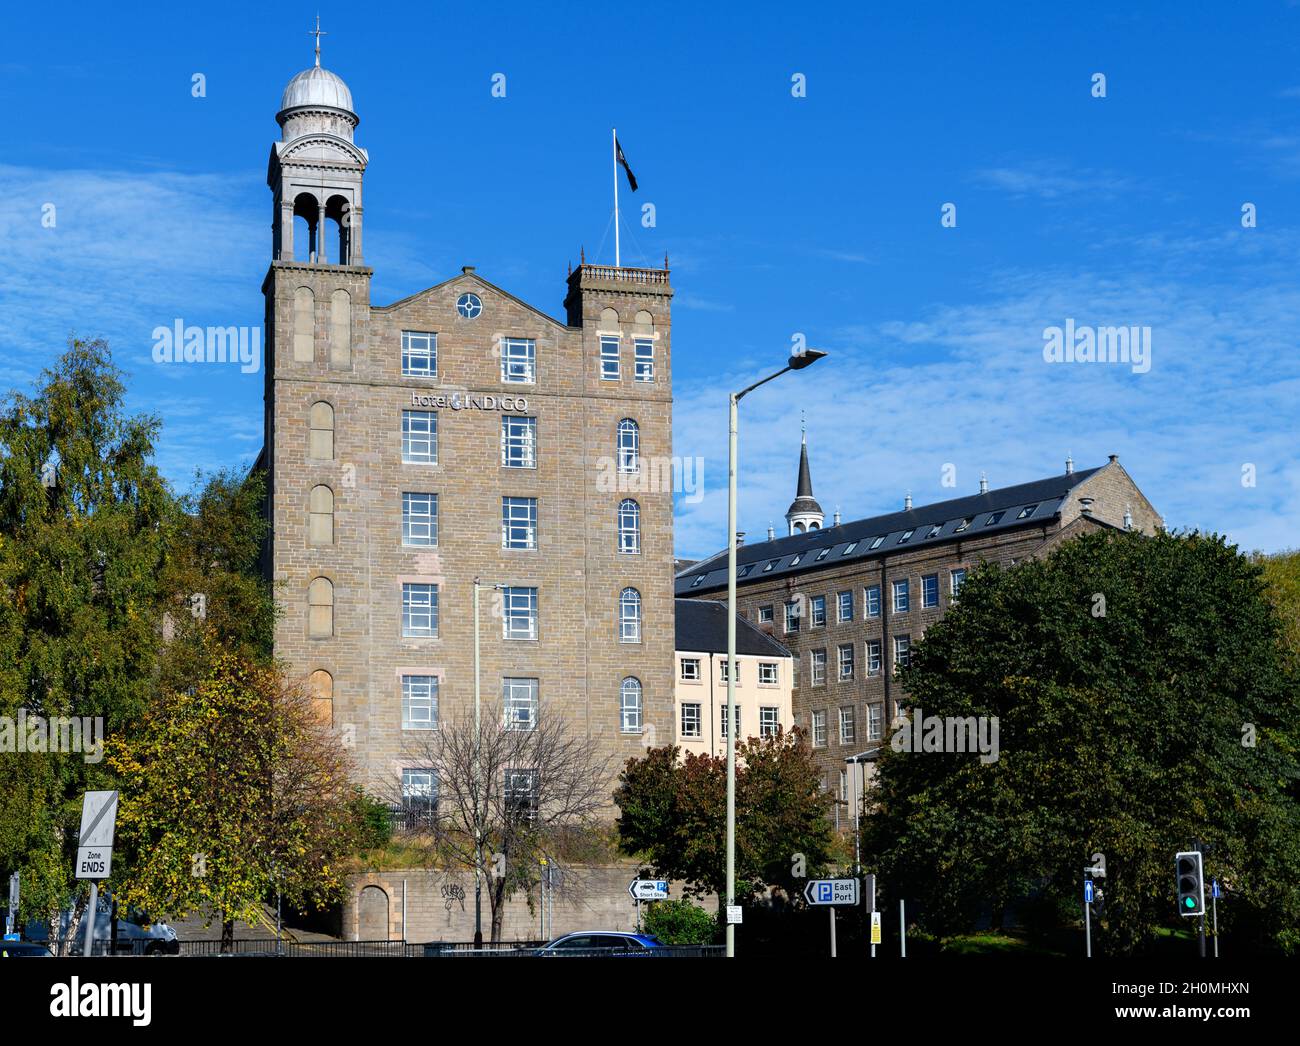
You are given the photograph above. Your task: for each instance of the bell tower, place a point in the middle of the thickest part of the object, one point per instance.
(316, 170)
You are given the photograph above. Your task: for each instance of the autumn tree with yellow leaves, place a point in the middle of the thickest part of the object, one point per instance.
(232, 792)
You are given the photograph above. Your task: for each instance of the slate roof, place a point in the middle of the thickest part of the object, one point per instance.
(702, 626)
(957, 519)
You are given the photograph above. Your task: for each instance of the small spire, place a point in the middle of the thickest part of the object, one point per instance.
(318, 32)
(665, 260)
(803, 427)
(582, 255)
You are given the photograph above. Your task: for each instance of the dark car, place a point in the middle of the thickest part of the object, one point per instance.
(601, 943)
(24, 950)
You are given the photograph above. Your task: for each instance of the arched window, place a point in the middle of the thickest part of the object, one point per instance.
(609, 319)
(320, 439)
(629, 616)
(629, 526)
(320, 608)
(629, 700)
(304, 325)
(320, 516)
(322, 696)
(629, 446)
(340, 329)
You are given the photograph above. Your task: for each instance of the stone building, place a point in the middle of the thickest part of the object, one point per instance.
(850, 599)
(458, 433)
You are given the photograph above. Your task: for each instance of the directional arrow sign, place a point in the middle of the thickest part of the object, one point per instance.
(649, 889)
(840, 892)
(1087, 891)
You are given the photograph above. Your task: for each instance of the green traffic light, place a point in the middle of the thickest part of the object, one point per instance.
(1190, 902)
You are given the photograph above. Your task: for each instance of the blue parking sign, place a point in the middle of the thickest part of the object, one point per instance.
(824, 893)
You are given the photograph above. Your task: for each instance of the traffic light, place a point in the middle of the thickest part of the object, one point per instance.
(1191, 882)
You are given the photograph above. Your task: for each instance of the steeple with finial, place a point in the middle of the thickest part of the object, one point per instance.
(804, 513)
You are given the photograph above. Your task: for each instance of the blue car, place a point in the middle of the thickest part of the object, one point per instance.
(602, 943)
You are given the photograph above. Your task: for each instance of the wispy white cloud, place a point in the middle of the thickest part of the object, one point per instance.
(1052, 182)
(967, 385)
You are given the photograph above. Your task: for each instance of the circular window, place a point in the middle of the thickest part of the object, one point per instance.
(469, 306)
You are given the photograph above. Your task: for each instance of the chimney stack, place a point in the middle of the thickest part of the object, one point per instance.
(907, 502)
(771, 532)
(1069, 465)
(984, 482)
(836, 518)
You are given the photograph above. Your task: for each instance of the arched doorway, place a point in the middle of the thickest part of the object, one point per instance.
(372, 914)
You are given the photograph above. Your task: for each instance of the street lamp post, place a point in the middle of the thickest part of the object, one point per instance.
(478, 829)
(797, 362)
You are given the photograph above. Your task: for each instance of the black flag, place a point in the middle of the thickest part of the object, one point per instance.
(618, 155)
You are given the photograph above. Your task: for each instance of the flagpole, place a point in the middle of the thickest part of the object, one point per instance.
(617, 259)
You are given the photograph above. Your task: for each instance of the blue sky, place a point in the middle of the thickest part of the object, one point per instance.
(817, 215)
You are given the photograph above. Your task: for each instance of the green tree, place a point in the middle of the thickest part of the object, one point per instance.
(1142, 701)
(1282, 573)
(672, 813)
(83, 522)
(234, 791)
(680, 922)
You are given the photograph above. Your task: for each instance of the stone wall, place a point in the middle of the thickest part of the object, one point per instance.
(596, 899)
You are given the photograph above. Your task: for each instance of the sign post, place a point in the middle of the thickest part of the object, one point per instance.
(1087, 914)
(1214, 907)
(832, 893)
(11, 919)
(95, 852)
(902, 928)
(870, 885)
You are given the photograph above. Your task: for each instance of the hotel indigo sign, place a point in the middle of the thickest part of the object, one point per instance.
(466, 401)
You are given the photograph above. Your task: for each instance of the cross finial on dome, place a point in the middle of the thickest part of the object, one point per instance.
(318, 32)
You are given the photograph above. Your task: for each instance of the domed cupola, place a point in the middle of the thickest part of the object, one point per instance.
(316, 169)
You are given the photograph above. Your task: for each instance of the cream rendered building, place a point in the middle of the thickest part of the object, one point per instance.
(764, 680)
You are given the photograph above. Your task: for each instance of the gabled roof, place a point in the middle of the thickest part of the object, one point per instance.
(475, 278)
(943, 521)
(702, 627)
